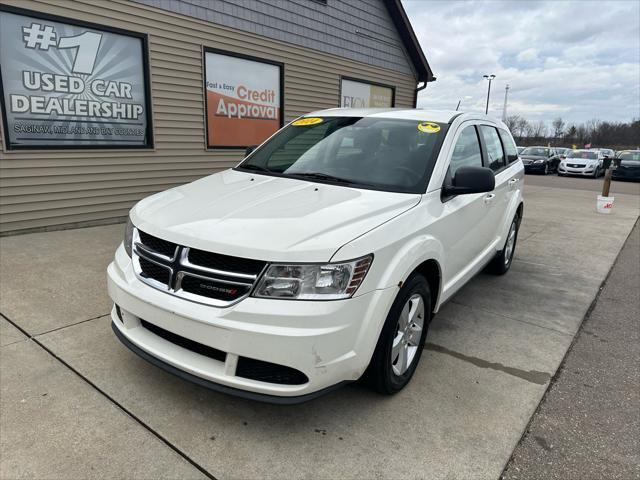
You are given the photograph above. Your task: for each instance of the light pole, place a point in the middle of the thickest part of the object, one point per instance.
(504, 107)
(490, 78)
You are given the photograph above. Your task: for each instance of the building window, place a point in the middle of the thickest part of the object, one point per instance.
(361, 94)
(69, 84)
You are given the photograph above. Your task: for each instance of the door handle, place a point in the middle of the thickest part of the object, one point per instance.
(489, 198)
(512, 183)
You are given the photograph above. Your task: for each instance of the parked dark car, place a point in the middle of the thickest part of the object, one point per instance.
(540, 160)
(562, 152)
(629, 167)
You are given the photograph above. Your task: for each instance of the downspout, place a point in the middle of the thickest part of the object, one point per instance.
(415, 92)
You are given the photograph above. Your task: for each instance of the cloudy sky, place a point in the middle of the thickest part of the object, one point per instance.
(575, 59)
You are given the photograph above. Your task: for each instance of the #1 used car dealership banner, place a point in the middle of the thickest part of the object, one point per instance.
(354, 94)
(67, 84)
(243, 99)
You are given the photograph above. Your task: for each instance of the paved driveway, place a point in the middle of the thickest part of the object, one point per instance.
(76, 403)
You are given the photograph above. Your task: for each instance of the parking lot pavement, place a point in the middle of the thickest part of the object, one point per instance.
(580, 183)
(491, 354)
(587, 425)
(55, 279)
(53, 424)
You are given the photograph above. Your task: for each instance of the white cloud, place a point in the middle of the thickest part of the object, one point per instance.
(527, 55)
(577, 59)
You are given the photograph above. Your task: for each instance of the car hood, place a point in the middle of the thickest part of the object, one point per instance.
(267, 218)
(581, 160)
(533, 157)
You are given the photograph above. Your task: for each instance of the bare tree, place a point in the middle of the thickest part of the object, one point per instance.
(558, 127)
(616, 135)
(522, 127)
(539, 129)
(512, 123)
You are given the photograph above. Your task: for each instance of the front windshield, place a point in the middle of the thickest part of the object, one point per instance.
(635, 156)
(579, 154)
(536, 151)
(364, 152)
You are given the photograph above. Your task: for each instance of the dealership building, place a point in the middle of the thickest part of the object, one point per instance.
(106, 102)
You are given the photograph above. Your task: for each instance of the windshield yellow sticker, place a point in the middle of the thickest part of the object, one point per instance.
(302, 122)
(428, 127)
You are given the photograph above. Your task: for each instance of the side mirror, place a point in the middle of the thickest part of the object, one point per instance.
(249, 150)
(471, 180)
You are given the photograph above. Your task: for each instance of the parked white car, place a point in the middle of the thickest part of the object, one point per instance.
(606, 152)
(323, 256)
(587, 163)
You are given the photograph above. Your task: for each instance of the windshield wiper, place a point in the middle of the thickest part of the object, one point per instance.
(321, 176)
(251, 166)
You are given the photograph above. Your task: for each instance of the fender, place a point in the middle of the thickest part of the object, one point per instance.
(514, 203)
(399, 257)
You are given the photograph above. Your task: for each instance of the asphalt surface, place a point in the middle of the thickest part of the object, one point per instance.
(579, 183)
(587, 425)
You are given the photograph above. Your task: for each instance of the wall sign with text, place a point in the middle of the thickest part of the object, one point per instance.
(243, 97)
(67, 84)
(357, 94)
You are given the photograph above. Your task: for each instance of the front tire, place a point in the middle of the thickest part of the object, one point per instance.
(401, 341)
(502, 261)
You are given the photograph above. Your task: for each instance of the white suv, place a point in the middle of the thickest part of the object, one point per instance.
(323, 256)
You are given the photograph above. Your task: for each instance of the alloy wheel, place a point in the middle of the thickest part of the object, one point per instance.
(408, 333)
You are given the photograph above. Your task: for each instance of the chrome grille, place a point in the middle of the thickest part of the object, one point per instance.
(196, 275)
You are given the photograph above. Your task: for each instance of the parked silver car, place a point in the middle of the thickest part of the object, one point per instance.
(585, 163)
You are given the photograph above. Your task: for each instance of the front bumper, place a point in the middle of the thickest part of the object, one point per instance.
(625, 173)
(330, 342)
(534, 168)
(587, 171)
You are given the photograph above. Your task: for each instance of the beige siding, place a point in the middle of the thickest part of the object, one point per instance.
(40, 189)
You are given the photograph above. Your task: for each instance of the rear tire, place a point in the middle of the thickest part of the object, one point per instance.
(401, 341)
(504, 258)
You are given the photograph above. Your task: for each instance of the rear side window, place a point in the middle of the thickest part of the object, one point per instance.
(492, 142)
(509, 146)
(467, 151)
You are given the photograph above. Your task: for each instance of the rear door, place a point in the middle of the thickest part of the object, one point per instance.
(498, 200)
(515, 176)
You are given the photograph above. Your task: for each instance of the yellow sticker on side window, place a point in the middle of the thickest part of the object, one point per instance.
(428, 127)
(301, 122)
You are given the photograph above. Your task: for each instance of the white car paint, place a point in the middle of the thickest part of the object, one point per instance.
(587, 167)
(290, 220)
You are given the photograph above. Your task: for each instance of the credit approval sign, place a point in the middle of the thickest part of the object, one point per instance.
(244, 99)
(68, 84)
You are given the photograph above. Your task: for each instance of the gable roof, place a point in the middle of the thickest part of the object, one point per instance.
(408, 36)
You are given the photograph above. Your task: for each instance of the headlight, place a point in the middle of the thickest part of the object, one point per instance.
(128, 236)
(539, 161)
(329, 281)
